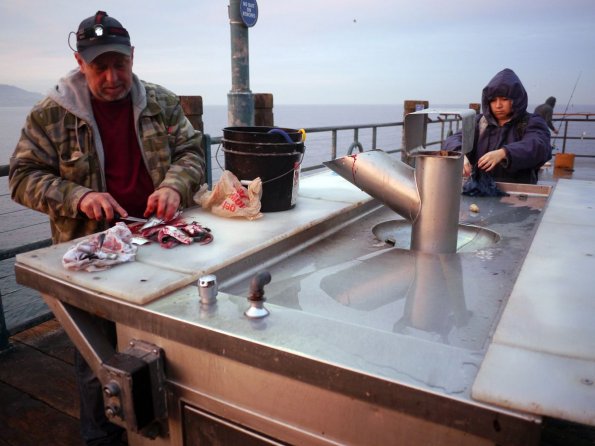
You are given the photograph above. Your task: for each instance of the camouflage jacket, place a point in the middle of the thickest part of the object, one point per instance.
(59, 157)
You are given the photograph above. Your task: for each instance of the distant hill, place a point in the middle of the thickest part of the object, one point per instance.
(13, 96)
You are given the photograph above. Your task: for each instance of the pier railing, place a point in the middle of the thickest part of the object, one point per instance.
(571, 130)
(567, 132)
(567, 125)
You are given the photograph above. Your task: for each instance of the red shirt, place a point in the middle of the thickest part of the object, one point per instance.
(127, 178)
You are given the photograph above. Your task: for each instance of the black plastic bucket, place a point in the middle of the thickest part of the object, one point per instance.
(274, 154)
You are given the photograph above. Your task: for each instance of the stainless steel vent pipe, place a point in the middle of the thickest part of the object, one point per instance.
(438, 181)
(427, 195)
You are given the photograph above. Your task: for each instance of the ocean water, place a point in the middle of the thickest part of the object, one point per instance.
(318, 145)
(291, 116)
(11, 122)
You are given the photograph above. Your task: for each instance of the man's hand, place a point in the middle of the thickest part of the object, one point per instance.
(164, 203)
(101, 206)
(491, 159)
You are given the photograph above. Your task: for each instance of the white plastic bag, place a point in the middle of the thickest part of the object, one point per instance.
(102, 250)
(229, 198)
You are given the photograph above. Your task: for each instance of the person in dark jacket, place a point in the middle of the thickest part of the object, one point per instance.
(510, 143)
(546, 111)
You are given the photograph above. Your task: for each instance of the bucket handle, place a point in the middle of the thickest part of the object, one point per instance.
(266, 181)
(303, 132)
(288, 172)
(287, 138)
(283, 133)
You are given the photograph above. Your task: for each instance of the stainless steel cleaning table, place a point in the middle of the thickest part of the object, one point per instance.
(367, 342)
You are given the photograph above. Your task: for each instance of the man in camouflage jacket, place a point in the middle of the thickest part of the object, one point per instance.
(60, 157)
(104, 143)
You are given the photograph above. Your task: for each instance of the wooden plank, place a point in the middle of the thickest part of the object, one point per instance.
(8, 205)
(6, 268)
(19, 237)
(22, 218)
(19, 226)
(23, 308)
(24, 239)
(25, 421)
(50, 338)
(4, 186)
(51, 380)
(7, 280)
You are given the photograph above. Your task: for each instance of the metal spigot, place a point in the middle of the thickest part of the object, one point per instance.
(256, 298)
(207, 289)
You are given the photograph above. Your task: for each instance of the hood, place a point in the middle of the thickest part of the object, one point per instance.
(506, 84)
(73, 94)
(551, 101)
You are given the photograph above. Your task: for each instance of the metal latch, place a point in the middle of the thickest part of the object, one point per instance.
(134, 389)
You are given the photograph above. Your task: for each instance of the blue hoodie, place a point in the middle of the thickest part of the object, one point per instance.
(525, 137)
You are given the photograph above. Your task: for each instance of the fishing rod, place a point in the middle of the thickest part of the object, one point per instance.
(571, 95)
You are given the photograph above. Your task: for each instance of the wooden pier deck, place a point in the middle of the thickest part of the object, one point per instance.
(38, 396)
(21, 230)
(32, 412)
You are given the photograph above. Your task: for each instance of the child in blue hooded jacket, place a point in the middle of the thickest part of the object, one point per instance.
(510, 143)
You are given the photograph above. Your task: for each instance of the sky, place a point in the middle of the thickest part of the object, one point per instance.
(324, 51)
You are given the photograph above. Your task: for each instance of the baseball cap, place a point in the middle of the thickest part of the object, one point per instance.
(100, 34)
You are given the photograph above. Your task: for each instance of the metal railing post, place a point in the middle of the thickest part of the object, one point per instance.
(564, 139)
(334, 143)
(374, 131)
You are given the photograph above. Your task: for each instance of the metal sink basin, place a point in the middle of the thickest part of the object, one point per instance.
(356, 277)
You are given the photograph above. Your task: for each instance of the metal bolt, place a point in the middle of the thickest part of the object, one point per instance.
(111, 389)
(112, 411)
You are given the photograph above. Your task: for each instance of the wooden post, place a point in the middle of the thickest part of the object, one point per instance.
(475, 106)
(410, 106)
(263, 109)
(192, 106)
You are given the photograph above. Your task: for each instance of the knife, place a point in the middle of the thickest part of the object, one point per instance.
(129, 218)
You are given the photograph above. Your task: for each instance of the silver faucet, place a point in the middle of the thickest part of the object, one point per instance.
(256, 298)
